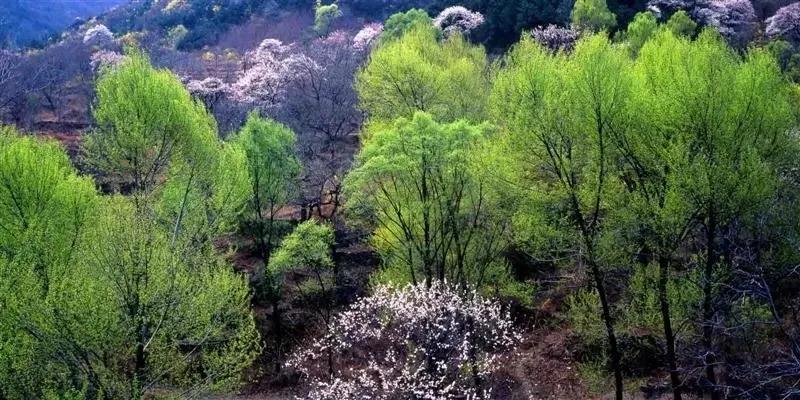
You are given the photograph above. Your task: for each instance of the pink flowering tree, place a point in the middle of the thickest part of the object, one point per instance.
(262, 81)
(555, 38)
(785, 24)
(734, 19)
(458, 19)
(364, 39)
(422, 342)
(209, 90)
(102, 59)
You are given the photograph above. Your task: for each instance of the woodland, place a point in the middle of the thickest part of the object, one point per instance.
(401, 199)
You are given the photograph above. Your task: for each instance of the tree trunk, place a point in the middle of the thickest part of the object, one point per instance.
(276, 324)
(708, 310)
(609, 324)
(663, 280)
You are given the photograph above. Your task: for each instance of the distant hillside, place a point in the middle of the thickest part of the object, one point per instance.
(23, 22)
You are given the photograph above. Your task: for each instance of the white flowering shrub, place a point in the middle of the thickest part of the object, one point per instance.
(458, 19)
(367, 35)
(209, 90)
(415, 342)
(785, 24)
(98, 36)
(555, 38)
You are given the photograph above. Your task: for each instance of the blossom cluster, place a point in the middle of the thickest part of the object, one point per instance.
(209, 89)
(734, 19)
(458, 19)
(367, 35)
(105, 58)
(99, 36)
(785, 23)
(555, 38)
(415, 342)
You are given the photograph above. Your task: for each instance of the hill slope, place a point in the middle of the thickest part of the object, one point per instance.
(25, 21)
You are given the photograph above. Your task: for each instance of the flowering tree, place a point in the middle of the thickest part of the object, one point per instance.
(734, 19)
(458, 19)
(419, 342)
(209, 90)
(98, 36)
(555, 37)
(105, 58)
(262, 81)
(785, 23)
(367, 35)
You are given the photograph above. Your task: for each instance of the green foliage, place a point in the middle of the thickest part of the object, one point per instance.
(419, 73)
(273, 168)
(145, 118)
(592, 16)
(639, 31)
(324, 15)
(308, 246)
(583, 314)
(175, 35)
(415, 188)
(680, 24)
(398, 24)
(643, 308)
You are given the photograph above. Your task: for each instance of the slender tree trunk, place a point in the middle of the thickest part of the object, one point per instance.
(608, 320)
(276, 324)
(663, 280)
(708, 308)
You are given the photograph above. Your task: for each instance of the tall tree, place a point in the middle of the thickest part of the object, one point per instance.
(557, 112)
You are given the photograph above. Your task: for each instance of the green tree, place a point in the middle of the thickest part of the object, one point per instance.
(592, 16)
(707, 150)
(146, 118)
(273, 166)
(415, 188)
(680, 24)
(399, 24)
(308, 248)
(417, 72)
(643, 26)
(557, 112)
(324, 15)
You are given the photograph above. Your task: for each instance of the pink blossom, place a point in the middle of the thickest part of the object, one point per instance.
(367, 35)
(105, 58)
(734, 19)
(337, 37)
(555, 38)
(785, 23)
(458, 19)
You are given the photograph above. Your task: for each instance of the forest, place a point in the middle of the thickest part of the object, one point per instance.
(404, 200)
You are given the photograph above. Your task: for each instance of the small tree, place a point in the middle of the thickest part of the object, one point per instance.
(639, 31)
(458, 20)
(592, 16)
(273, 167)
(306, 250)
(324, 15)
(420, 341)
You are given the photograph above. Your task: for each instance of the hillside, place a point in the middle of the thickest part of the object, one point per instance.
(23, 22)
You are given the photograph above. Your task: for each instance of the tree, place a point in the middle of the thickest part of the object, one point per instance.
(367, 36)
(643, 26)
(734, 19)
(592, 16)
(680, 24)
(145, 118)
(785, 24)
(398, 24)
(273, 167)
(458, 20)
(418, 73)
(714, 152)
(557, 112)
(433, 342)
(415, 188)
(307, 252)
(324, 15)
(555, 38)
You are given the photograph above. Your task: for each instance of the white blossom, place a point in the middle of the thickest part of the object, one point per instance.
(785, 23)
(458, 19)
(105, 58)
(555, 38)
(99, 36)
(367, 35)
(418, 342)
